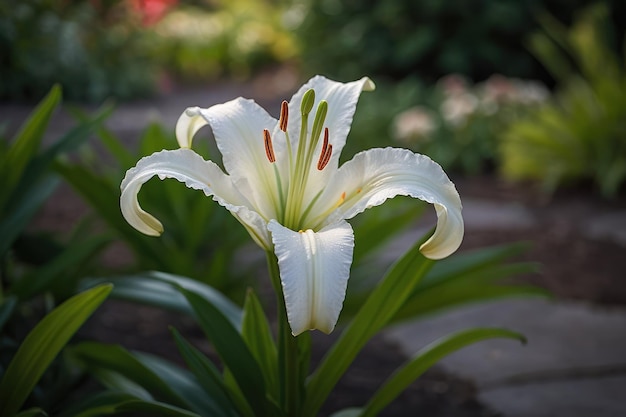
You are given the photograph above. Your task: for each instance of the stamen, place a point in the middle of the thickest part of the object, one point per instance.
(284, 116)
(269, 149)
(327, 150)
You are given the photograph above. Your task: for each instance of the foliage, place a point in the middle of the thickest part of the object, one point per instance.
(39, 271)
(41, 346)
(428, 38)
(255, 378)
(189, 246)
(581, 133)
(232, 38)
(456, 123)
(93, 49)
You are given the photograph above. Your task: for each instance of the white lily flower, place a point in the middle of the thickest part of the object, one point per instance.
(284, 184)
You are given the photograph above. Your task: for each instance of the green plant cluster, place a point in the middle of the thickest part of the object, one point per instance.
(579, 135)
(93, 49)
(426, 38)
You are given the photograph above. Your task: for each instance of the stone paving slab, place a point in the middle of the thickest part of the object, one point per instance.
(575, 358)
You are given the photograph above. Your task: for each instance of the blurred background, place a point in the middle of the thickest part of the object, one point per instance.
(523, 103)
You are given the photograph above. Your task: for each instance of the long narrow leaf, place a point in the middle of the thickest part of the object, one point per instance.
(53, 273)
(153, 409)
(43, 344)
(232, 349)
(258, 336)
(427, 357)
(159, 289)
(26, 144)
(379, 308)
(207, 375)
(478, 286)
(113, 358)
(23, 211)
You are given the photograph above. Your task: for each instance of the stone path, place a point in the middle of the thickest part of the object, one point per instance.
(574, 364)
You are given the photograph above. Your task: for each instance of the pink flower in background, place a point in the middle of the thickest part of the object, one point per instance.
(151, 11)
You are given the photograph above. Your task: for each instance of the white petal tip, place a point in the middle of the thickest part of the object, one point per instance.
(368, 84)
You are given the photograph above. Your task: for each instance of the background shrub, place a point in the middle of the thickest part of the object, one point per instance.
(428, 38)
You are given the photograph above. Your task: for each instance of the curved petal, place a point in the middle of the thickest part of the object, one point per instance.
(189, 168)
(342, 99)
(314, 270)
(238, 128)
(373, 176)
(188, 125)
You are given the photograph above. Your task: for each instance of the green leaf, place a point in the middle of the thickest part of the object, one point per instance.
(152, 408)
(383, 303)
(42, 345)
(100, 404)
(6, 309)
(26, 144)
(426, 358)
(22, 212)
(207, 375)
(232, 350)
(469, 288)
(54, 273)
(32, 412)
(157, 289)
(258, 336)
(348, 412)
(163, 381)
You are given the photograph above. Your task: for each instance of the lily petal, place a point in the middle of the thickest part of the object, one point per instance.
(238, 128)
(189, 168)
(314, 270)
(375, 175)
(188, 125)
(342, 99)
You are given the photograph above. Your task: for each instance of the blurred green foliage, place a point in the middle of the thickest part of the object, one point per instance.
(455, 122)
(39, 270)
(581, 133)
(427, 38)
(234, 38)
(93, 49)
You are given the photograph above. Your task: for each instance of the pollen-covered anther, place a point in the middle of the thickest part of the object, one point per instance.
(284, 116)
(269, 149)
(327, 150)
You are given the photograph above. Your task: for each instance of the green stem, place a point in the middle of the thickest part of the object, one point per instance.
(291, 382)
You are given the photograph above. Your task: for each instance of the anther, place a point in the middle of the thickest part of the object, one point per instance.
(269, 149)
(327, 150)
(284, 116)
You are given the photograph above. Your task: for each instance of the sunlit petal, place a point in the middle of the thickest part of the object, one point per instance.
(238, 128)
(373, 176)
(314, 270)
(188, 125)
(189, 168)
(342, 99)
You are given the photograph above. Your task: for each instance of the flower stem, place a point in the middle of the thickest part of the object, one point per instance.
(290, 371)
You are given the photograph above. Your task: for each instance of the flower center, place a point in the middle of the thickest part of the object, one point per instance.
(291, 212)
